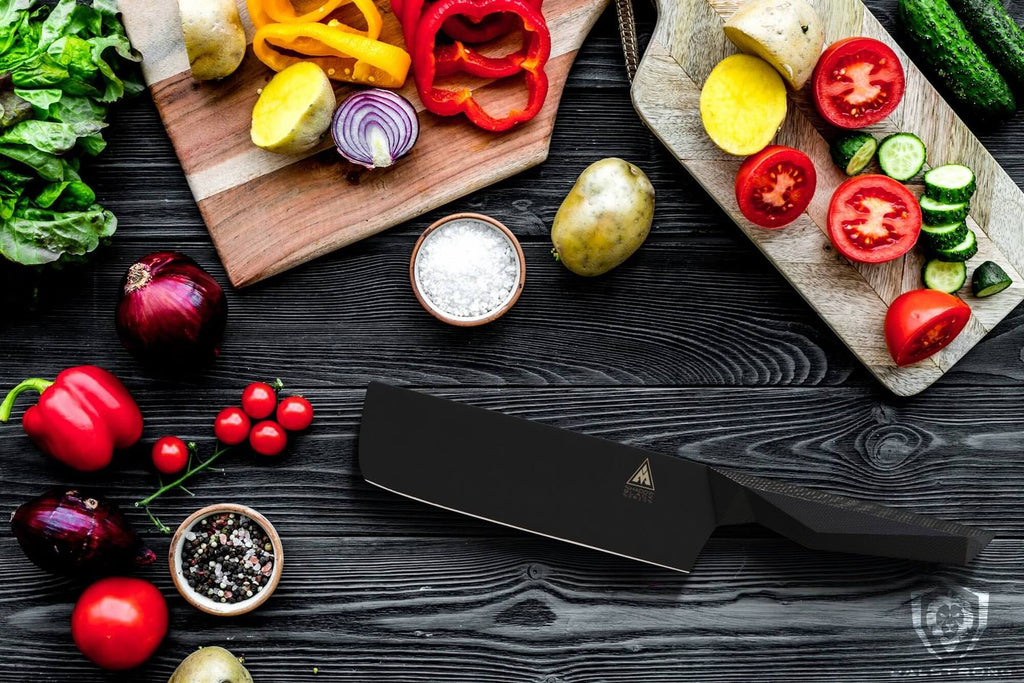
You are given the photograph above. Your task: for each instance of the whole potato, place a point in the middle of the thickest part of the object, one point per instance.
(214, 37)
(210, 665)
(605, 217)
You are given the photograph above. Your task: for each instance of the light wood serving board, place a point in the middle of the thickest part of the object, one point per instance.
(852, 298)
(267, 212)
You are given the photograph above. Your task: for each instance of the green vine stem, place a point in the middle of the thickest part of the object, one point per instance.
(177, 484)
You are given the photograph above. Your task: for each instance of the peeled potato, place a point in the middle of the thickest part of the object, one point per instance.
(294, 110)
(742, 104)
(785, 33)
(214, 38)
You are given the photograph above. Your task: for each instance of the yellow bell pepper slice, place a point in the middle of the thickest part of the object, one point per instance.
(263, 12)
(343, 55)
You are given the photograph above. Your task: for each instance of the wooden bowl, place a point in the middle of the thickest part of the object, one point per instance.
(492, 315)
(201, 602)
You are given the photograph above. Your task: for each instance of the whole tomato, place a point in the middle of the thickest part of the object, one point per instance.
(119, 622)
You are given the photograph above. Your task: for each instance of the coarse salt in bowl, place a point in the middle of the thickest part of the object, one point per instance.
(467, 269)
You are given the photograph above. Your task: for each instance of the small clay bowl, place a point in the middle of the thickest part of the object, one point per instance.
(487, 317)
(203, 603)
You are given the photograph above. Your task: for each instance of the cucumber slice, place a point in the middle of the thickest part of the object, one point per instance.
(949, 184)
(940, 213)
(901, 156)
(989, 279)
(945, 276)
(853, 151)
(967, 248)
(944, 236)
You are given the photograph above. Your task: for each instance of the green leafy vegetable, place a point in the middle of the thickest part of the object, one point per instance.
(61, 65)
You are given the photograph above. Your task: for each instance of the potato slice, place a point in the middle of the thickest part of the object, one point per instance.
(214, 38)
(787, 34)
(294, 110)
(742, 104)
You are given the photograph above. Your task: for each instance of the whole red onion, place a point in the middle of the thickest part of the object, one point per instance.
(171, 310)
(71, 532)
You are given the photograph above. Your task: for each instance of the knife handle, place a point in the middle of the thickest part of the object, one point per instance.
(825, 521)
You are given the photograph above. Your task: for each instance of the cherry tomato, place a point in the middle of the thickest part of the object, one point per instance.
(259, 400)
(231, 426)
(857, 82)
(923, 322)
(119, 622)
(170, 455)
(294, 413)
(268, 438)
(774, 186)
(873, 218)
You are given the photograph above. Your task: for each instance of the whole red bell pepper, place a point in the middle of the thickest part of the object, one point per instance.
(81, 416)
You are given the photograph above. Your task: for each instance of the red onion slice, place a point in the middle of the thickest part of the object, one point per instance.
(374, 128)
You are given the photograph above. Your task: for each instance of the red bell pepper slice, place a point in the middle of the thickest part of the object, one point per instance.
(530, 60)
(483, 31)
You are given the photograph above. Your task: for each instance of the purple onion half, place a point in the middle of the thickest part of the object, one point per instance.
(75, 533)
(374, 128)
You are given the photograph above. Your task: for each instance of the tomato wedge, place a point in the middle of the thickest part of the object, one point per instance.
(857, 82)
(872, 219)
(774, 186)
(922, 322)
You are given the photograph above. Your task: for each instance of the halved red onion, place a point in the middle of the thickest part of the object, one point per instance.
(374, 128)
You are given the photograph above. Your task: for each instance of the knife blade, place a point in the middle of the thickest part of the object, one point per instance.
(627, 501)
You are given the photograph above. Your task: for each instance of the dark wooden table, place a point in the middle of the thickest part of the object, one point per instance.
(696, 346)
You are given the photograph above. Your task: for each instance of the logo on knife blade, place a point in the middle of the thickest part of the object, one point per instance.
(640, 485)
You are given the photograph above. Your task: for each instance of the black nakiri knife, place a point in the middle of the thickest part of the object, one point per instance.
(651, 507)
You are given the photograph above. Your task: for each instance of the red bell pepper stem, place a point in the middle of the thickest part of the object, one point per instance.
(33, 384)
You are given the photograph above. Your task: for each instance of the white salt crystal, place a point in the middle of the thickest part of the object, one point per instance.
(467, 268)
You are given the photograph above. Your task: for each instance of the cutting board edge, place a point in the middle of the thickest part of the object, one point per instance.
(241, 277)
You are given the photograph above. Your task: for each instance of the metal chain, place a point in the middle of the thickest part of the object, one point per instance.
(627, 32)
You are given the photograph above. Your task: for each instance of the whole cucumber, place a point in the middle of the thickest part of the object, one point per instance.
(958, 64)
(997, 34)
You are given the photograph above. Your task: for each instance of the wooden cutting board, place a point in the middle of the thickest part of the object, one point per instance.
(267, 212)
(851, 297)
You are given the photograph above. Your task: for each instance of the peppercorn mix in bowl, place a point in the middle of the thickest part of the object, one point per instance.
(226, 559)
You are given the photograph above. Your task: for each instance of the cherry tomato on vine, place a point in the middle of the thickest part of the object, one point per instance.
(170, 455)
(294, 413)
(268, 438)
(259, 400)
(118, 622)
(231, 426)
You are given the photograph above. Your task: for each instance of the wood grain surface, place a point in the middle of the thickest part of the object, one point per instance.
(270, 212)
(850, 297)
(695, 346)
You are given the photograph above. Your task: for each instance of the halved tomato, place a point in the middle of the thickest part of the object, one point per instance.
(857, 82)
(923, 322)
(775, 186)
(872, 219)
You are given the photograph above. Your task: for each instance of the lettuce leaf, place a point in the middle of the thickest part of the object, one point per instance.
(35, 237)
(61, 65)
